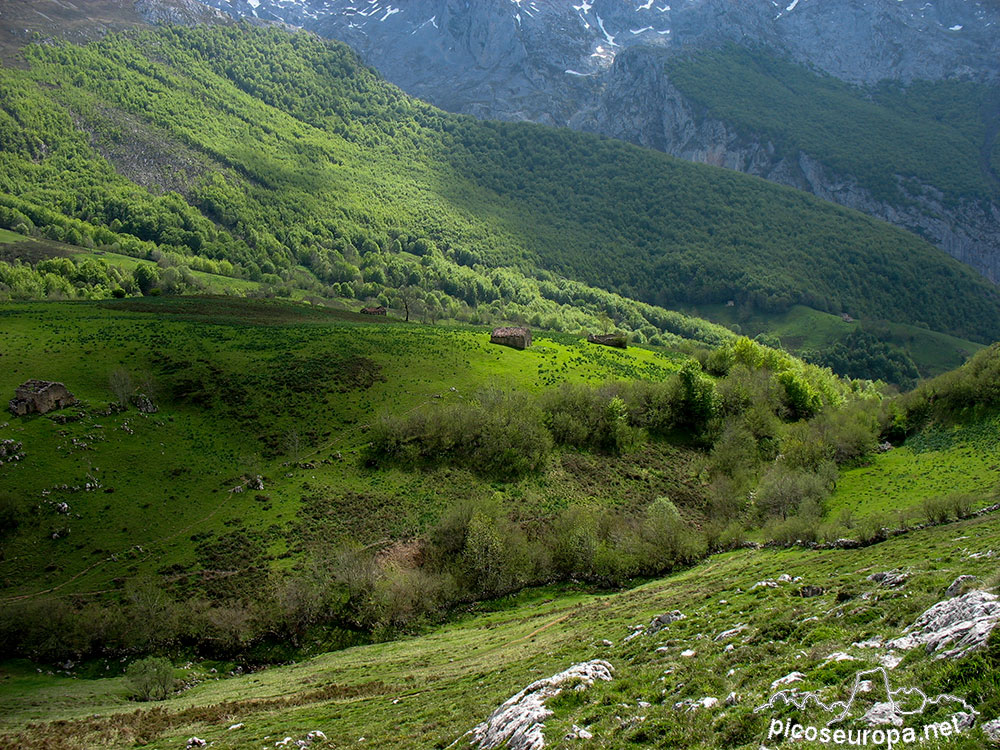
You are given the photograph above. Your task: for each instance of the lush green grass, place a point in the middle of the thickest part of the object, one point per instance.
(939, 462)
(426, 691)
(245, 387)
(7, 236)
(803, 331)
(285, 151)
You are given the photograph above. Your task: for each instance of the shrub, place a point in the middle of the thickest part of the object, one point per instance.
(937, 509)
(574, 542)
(120, 384)
(721, 535)
(12, 512)
(798, 528)
(871, 528)
(150, 679)
(800, 398)
(669, 541)
(587, 417)
(494, 560)
(498, 434)
(960, 503)
(783, 489)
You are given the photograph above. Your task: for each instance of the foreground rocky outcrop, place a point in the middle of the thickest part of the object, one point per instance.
(517, 724)
(953, 627)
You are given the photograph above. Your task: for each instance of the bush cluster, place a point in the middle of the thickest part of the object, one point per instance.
(474, 552)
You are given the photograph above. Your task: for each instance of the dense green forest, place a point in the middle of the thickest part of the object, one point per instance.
(279, 158)
(929, 131)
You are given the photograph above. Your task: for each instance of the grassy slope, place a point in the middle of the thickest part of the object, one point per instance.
(283, 373)
(352, 148)
(803, 329)
(426, 691)
(938, 462)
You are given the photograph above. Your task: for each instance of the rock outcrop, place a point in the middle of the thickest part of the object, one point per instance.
(889, 578)
(958, 584)
(992, 731)
(517, 724)
(10, 450)
(953, 627)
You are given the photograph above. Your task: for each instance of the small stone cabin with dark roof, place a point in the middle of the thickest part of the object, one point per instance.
(517, 338)
(40, 397)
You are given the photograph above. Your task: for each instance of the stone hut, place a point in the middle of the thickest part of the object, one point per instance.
(380, 310)
(517, 338)
(40, 397)
(619, 340)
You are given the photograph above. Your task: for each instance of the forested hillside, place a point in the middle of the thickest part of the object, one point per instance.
(933, 132)
(277, 157)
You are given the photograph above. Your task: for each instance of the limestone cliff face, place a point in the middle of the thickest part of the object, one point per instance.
(596, 65)
(641, 105)
(511, 58)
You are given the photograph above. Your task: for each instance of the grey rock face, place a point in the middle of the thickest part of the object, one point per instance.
(177, 12)
(639, 104)
(517, 724)
(958, 584)
(953, 627)
(521, 54)
(992, 731)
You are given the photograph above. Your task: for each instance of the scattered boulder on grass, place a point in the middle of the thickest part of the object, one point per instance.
(617, 340)
(661, 621)
(890, 578)
(890, 660)
(579, 733)
(10, 450)
(517, 724)
(731, 633)
(788, 679)
(992, 731)
(693, 705)
(807, 592)
(145, 404)
(958, 584)
(953, 627)
(40, 397)
(838, 656)
(196, 742)
(882, 714)
(516, 338)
